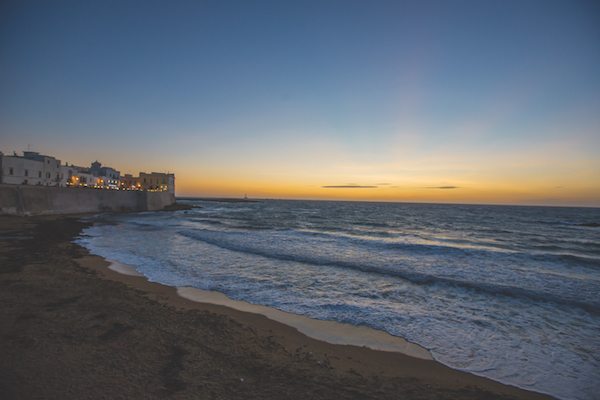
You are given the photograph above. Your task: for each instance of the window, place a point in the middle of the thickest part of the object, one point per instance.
(48, 175)
(39, 174)
(48, 161)
(164, 180)
(26, 173)
(144, 178)
(11, 171)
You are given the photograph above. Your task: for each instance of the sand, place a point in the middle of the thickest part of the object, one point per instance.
(71, 328)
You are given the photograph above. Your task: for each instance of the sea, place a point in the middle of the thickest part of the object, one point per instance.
(510, 293)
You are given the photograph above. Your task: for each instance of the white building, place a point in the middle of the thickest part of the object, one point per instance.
(107, 176)
(72, 175)
(35, 169)
(30, 169)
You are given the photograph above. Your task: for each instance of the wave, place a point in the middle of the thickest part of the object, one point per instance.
(144, 226)
(401, 269)
(424, 247)
(587, 224)
(487, 239)
(205, 220)
(461, 247)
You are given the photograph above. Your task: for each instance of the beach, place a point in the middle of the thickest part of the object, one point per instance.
(71, 328)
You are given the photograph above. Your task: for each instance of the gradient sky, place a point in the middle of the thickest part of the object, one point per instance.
(492, 102)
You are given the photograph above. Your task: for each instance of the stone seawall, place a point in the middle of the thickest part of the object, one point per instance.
(40, 200)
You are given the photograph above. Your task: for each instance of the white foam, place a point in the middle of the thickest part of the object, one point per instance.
(327, 331)
(124, 269)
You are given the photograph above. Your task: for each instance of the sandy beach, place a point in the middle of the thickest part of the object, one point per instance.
(71, 329)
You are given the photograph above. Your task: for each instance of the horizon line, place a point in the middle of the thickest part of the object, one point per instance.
(383, 201)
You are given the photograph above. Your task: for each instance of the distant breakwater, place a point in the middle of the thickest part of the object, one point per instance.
(41, 200)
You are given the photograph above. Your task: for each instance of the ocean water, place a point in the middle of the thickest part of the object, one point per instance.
(509, 293)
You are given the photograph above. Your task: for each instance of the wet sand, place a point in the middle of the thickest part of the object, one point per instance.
(71, 328)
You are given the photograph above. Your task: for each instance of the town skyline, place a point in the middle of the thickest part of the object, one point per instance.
(35, 169)
(434, 102)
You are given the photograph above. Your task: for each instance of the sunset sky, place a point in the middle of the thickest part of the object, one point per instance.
(493, 102)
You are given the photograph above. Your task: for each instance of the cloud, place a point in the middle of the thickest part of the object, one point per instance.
(443, 187)
(349, 187)
(383, 184)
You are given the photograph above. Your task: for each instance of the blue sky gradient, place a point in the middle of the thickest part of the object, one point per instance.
(498, 99)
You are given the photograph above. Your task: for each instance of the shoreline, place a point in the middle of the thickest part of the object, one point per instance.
(327, 331)
(68, 315)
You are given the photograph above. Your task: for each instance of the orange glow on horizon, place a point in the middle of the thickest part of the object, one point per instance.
(466, 193)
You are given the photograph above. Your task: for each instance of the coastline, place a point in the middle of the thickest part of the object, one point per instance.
(74, 328)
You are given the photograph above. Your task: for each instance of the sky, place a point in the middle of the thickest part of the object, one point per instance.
(491, 102)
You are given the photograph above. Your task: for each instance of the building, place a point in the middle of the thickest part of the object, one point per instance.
(107, 177)
(154, 181)
(129, 182)
(157, 181)
(72, 175)
(35, 169)
(30, 169)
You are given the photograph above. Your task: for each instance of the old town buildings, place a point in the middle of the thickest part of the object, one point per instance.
(33, 168)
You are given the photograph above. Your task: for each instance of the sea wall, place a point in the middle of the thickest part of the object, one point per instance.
(40, 200)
